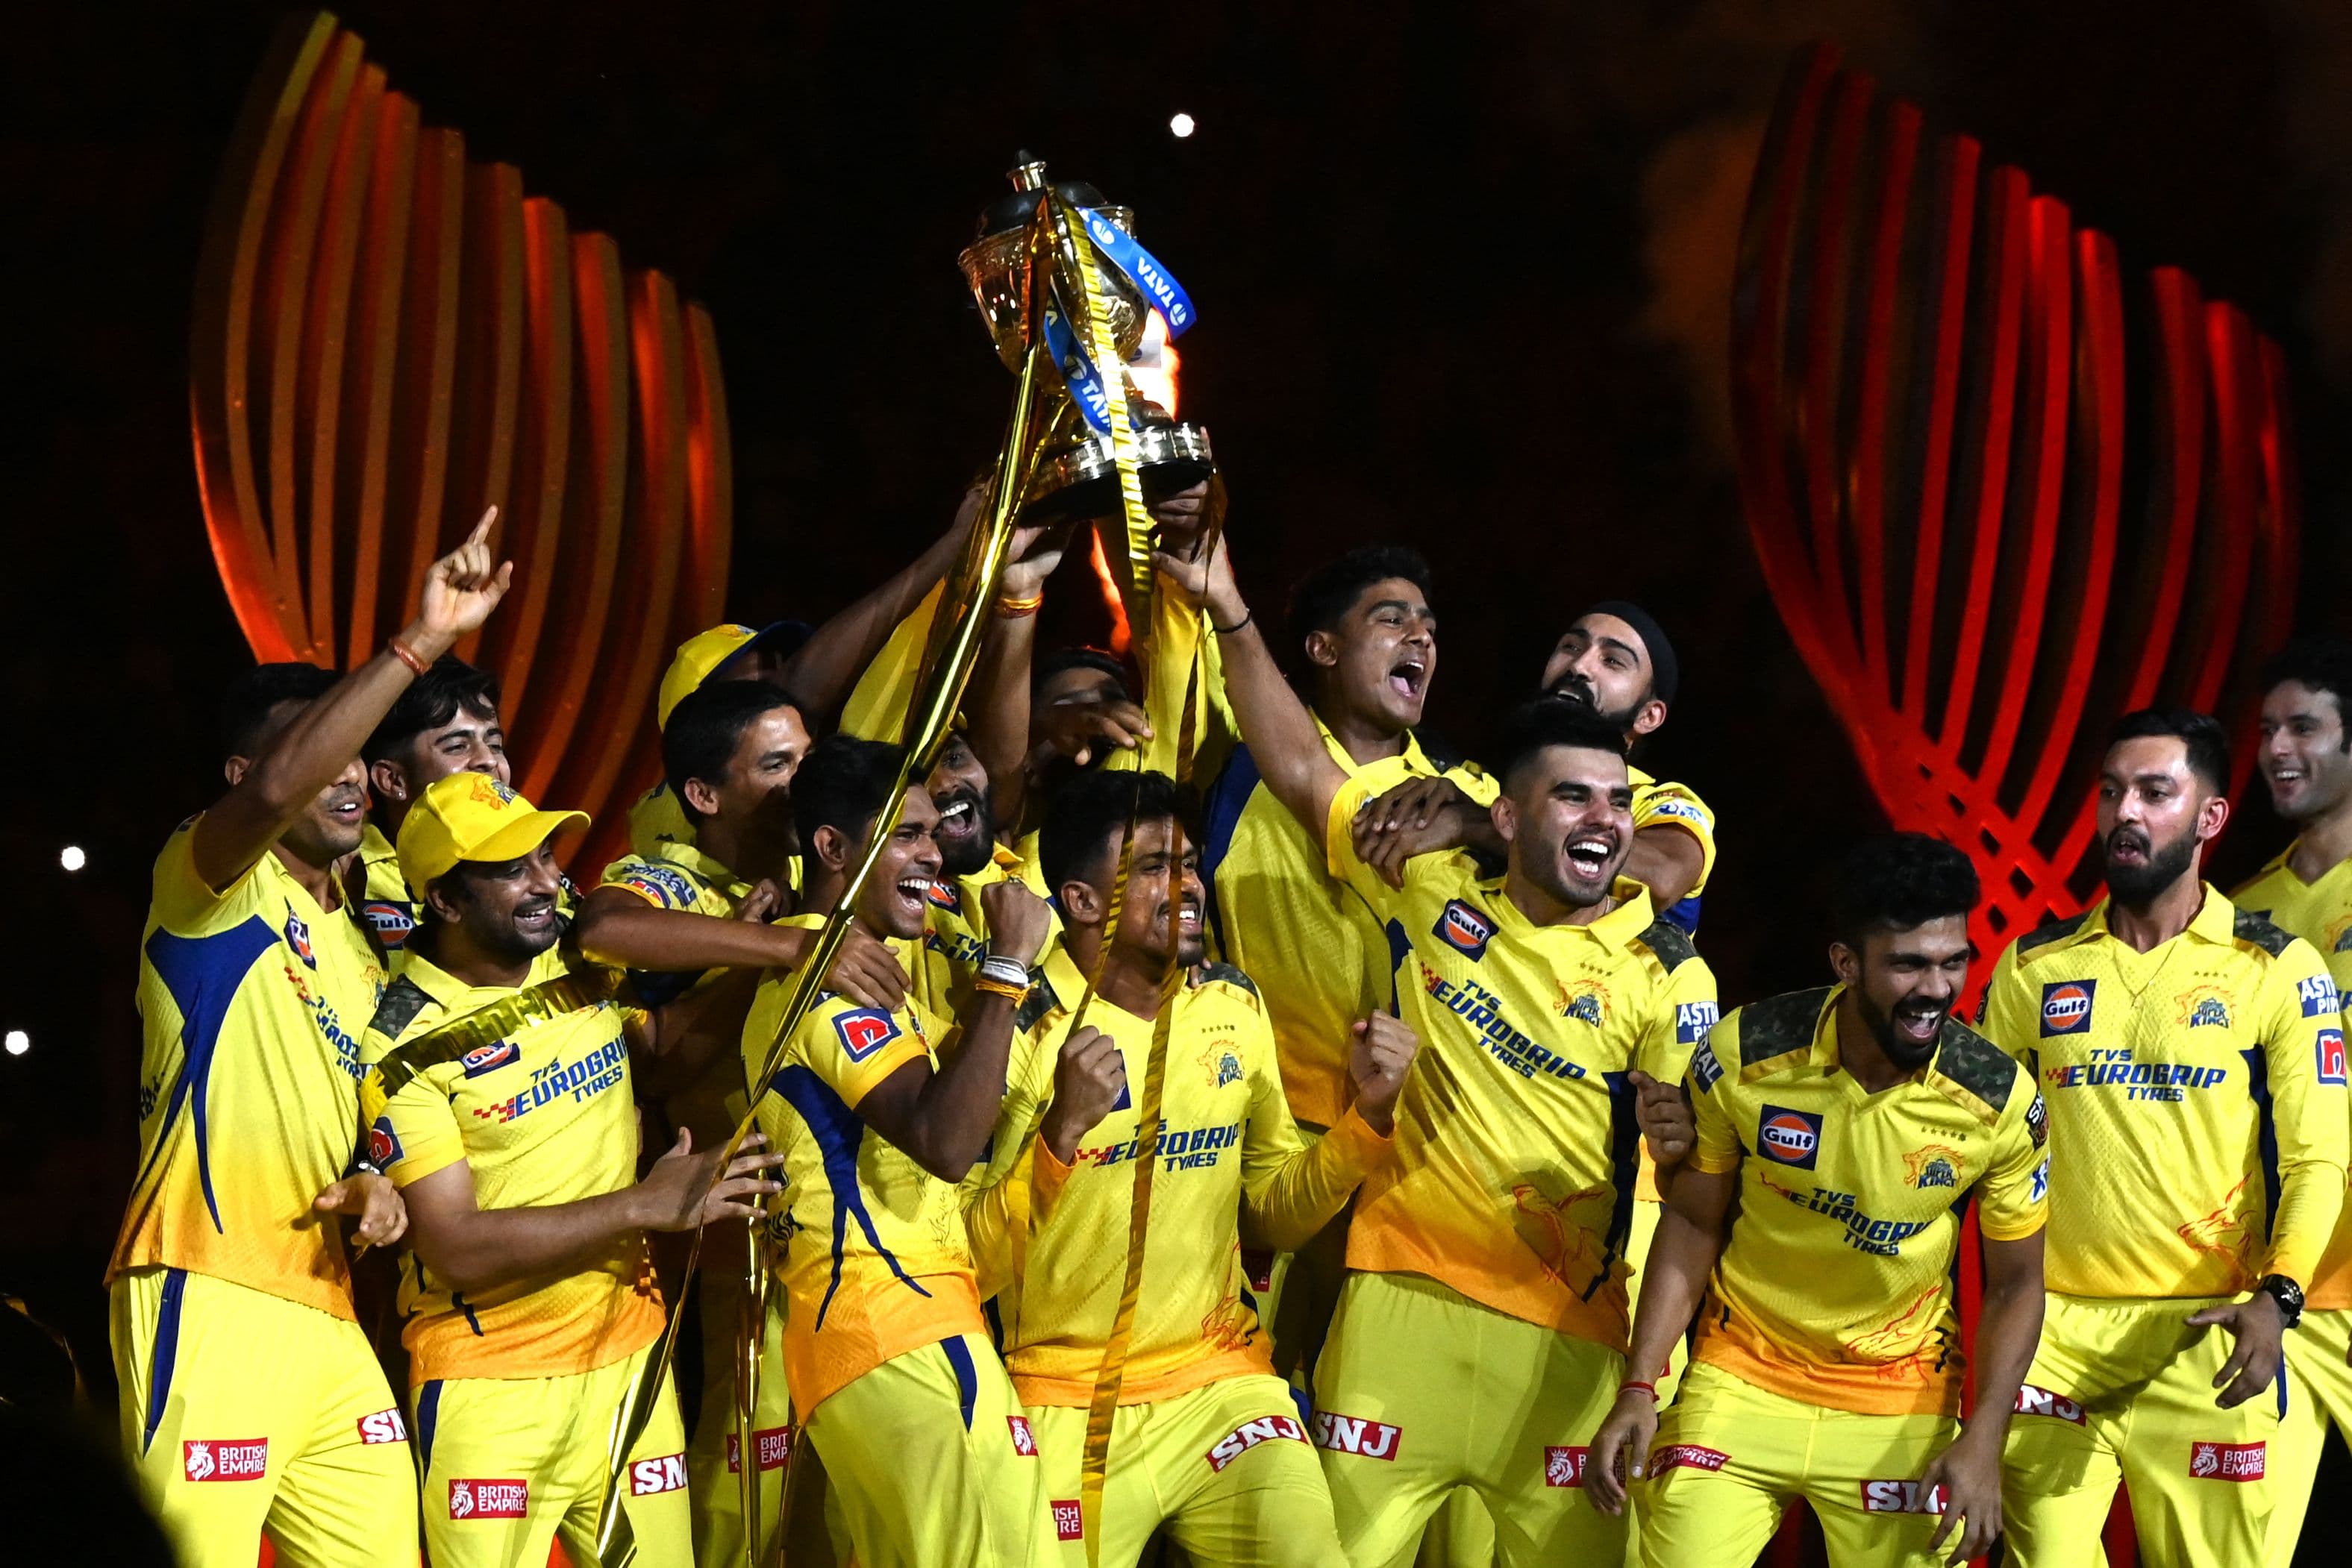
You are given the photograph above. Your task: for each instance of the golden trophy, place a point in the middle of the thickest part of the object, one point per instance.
(1075, 474)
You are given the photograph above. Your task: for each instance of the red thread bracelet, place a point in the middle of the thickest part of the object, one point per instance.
(399, 650)
(1649, 1388)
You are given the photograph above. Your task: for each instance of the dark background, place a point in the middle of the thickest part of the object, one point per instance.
(1461, 274)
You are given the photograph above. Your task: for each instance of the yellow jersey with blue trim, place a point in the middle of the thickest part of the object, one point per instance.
(1664, 803)
(542, 1114)
(2321, 913)
(955, 930)
(249, 1001)
(1286, 915)
(875, 1259)
(1835, 1285)
(1517, 1148)
(2198, 1127)
(1231, 1166)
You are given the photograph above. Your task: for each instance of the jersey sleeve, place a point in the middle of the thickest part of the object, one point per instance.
(2303, 1042)
(1481, 786)
(1340, 846)
(662, 883)
(2013, 1195)
(185, 906)
(2007, 1018)
(886, 688)
(1684, 1018)
(997, 1196)
(1665, 804)
(1179, 631)
(853, 1049)
(415, 1132)
(1717, 1148)
(1289, 1190)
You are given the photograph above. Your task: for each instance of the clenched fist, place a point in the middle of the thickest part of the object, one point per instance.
(1088, 1079)
(1377, 1059)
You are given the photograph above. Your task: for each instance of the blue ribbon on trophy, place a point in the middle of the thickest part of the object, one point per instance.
(1159, 286)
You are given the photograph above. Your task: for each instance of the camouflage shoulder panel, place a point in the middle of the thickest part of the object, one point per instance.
(2251, 928)
(1976, 1064)
(2055, 930)
(1210, 973)
(1670, 942)
(403, 1000)
(1779, 1025)
(1041, 1000)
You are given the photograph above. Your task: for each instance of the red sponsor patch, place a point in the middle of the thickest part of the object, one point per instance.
(1025, 1441)
(649, 1478)
(1564, 1467)
(773, 1444)
(864, 1031)
(1067, 1523)
(225, 1459)
(383, 1427)
(489, 1500)
(1901, 1497)
(2229, 1461)
(1686, 1457)
(1353, 1435)
(2032, 1401)
(1250, 1433)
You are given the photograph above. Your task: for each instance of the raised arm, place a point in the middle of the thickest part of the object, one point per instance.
(822, 673)
(1277, 727)
(267, 792)
(1289, 1190)
(477, 1250)
(617, 927)
(943, 1118)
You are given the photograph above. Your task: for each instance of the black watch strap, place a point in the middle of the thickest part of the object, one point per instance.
(2287, 1294)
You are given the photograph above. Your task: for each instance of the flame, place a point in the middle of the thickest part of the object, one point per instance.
(1153, 369)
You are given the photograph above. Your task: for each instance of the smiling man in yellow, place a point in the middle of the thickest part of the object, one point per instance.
(1207, 1440)
(1839, 1133)
(2198, 1141)
(503, 1109)
(1493, 1242)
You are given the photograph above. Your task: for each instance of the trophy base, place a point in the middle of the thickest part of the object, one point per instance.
(1081, 482)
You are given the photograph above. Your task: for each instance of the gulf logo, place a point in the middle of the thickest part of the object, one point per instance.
(2066, 1007)
(489, 1058)
(1464, 929)
(1789, 1137)
(864, 1031)
(943, 896)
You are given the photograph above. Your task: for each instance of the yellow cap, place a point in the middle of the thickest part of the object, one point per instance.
(700, 656)
(472, 816)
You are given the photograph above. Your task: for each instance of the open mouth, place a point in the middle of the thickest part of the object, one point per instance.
(1187, 920)
(1407, 677)
(2128, 849)
(1588, 855)
(535, 918)
(2286, 775)
(913, 893)
(959, 817)
(1917, 1023)
(347, 808)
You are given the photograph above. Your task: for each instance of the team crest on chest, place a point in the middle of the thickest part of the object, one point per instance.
(1221, 1064)
(1932, 1166)
(1585, 1000)
(1464, 929)
(2204, 1007)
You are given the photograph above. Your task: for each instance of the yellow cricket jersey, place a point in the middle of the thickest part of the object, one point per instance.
(875, 1259)
(247, 1079)
(1287, 918)
(1516, 1143)
(1661, 802)
(2198, 1124)
(657, 821)
(1835, 1287)
(542, 1115)
(677, 876)
(389, 911)
(2321, 913)
(1231, 1163)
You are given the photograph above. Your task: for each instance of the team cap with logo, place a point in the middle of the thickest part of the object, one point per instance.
(706, 654)
(472, 816)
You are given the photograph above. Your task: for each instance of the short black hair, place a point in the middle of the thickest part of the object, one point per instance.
(1083, 659)
(707, 724)
(1895, 882)
(2318, 663)
(1548, 721)
(1091, 812)
(1323, 597)
(253, 697)
(432, 700)
(843, 784)
(2208, 743)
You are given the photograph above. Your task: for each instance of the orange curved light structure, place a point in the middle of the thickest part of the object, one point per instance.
(388, 338)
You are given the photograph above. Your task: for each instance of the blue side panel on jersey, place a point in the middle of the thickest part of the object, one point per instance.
(838, 1133)
(967, 1376)
(166, 1352)
(428, 1416)
(1624, 1160)
(659, 988)
(203, 974)
(2258, 1084)
(1220, 814)
(1684, 914)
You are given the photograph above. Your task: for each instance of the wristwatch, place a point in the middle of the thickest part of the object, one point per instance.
(2287, 1294)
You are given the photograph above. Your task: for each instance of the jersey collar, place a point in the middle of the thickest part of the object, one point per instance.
(1415, 759)
(2216, 918)
(450, 994)
(1826, 1055)
(1613, 930)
